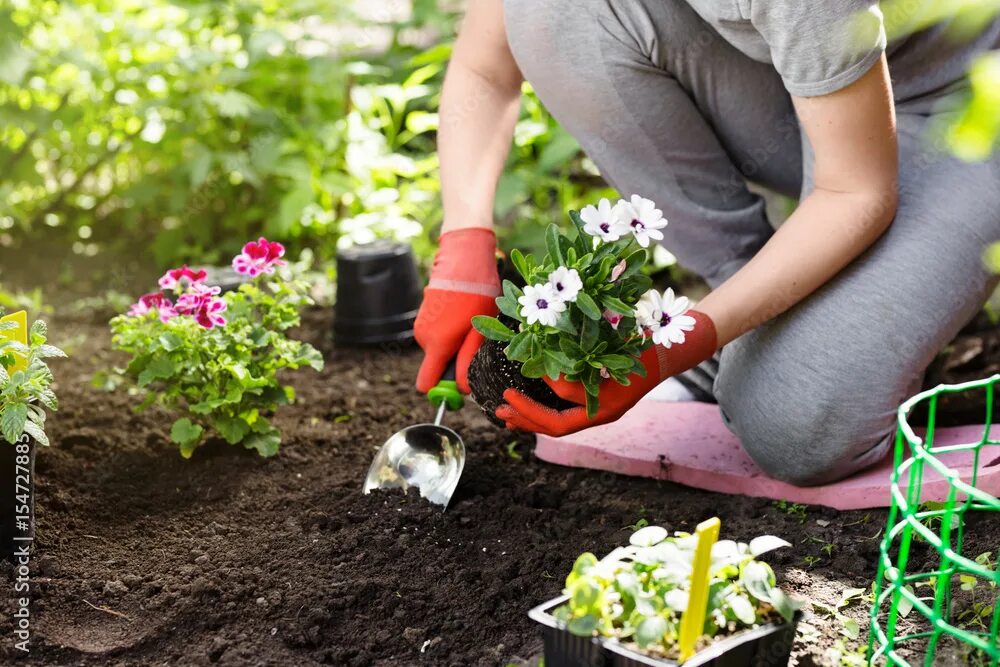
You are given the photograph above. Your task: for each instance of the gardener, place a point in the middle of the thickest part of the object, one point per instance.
(826, 324)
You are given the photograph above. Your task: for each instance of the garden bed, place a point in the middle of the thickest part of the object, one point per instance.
(145, 558)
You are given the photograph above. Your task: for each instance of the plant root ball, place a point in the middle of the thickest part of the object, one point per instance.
(491, 373)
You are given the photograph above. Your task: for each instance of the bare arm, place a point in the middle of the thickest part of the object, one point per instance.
(853, 135)
(479, 107)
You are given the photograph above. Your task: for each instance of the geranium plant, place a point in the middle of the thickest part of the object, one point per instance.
(215, 356)
(24, 394)
(638, 593)
(587, 311)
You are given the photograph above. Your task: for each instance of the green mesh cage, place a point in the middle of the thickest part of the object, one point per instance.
(912, 615)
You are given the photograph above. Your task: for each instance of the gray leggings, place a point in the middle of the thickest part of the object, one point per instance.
(669, 110)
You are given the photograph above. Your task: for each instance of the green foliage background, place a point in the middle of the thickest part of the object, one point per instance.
(156, 132)
(173, 131)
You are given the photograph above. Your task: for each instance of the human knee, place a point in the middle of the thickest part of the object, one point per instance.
(805, 436)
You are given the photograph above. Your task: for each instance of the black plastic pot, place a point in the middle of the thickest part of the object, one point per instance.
(17, 495)
(224, 277)
(766, 646)
(378, 294)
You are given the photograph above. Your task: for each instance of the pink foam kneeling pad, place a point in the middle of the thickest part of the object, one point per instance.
(687, 443)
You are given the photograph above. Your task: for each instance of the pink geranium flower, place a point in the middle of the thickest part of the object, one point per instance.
(210, 313)
(156, 301)
(179, 278)
(194, 299)
(259, 257)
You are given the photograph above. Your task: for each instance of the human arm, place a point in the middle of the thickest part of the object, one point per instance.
(852, 132)
(479, 107)
(853, 201)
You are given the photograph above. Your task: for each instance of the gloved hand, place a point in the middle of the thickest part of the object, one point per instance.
(463, 283)
(522, 413)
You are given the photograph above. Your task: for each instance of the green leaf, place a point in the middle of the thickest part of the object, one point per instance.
(587, 306)
(233, 429)
(615, 304)
(534, 367)
(36, 432)
(186, 434)
(266, 443)
(565, 324)
(49, 352)
(492, 328)
(520, 346)
(520, 265)
(651, 631)
(552, 245)
(160, 368)
(584, 626)
(170, 341)
(560, 150)
(12, 421)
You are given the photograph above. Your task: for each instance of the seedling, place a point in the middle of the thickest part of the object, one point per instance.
(794, 510)
(512, 452)
(587, 311)
(25, 378)
(641, 522)
(638, 593)
(216, 358)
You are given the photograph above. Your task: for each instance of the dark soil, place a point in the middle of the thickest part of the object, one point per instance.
(144, 558)
(973, 355)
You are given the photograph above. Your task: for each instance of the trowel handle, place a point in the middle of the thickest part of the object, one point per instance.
(446, 390)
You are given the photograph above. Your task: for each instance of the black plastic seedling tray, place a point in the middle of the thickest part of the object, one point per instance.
(766, 646)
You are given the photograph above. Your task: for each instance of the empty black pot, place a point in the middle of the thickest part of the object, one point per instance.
(378, 294)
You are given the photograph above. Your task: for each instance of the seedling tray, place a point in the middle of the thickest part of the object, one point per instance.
(766, 646)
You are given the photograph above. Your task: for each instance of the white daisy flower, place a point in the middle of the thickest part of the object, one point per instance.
(566, 283)
(642, 218)
(541, 303)
(601, 221)
(663, 317)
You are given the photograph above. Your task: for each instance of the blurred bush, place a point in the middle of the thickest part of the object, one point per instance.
(172, 131)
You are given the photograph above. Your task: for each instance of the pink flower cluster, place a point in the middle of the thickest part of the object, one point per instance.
(195, 299)
(200, 301)
(259, 258)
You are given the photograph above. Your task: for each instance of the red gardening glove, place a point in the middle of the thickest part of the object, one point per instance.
(463, 283)
(525, 414)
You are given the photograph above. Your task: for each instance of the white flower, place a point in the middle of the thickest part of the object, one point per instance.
(566, 283)
(601, 221)
(664, 317)
(641, 217)
(541, 303)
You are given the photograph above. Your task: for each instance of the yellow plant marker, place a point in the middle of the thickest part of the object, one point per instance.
(693, 619)
(18, 335)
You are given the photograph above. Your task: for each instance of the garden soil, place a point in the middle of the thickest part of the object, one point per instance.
(144, 558)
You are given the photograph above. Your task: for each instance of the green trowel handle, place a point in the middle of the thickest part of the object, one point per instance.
(446, 390)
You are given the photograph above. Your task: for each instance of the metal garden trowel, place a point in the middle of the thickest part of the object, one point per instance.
(429, 457)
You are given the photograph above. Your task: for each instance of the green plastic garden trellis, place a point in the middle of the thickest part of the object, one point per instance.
(942, 526)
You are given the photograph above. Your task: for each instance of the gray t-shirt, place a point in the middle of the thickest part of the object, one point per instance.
(821, 46)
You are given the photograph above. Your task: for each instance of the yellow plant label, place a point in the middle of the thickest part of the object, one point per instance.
(19, 335)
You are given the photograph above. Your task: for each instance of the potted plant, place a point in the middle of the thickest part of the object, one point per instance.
(626, 608)
(25, 393)
(215, 357)
(583, 310)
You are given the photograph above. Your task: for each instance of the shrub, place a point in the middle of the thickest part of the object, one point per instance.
(216, 357)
